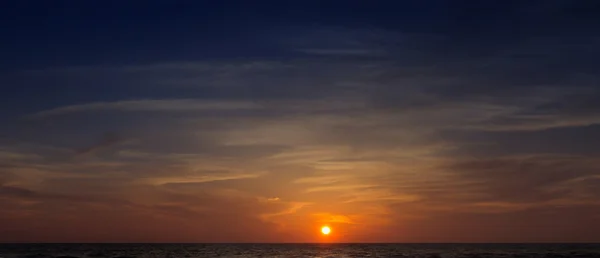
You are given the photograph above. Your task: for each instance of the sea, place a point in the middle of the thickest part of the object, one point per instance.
(299, 250)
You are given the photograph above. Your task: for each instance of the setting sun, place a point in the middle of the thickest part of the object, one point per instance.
(325, 230)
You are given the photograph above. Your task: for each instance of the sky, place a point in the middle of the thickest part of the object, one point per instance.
(261, 121)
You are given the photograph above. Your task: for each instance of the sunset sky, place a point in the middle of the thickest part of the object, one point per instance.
(262, 121)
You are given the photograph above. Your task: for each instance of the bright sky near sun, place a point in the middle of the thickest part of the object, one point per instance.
(263, 121)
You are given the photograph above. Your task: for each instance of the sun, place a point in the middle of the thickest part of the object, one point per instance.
(325, 230)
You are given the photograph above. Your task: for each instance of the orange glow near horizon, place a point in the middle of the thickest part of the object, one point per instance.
(325, 230)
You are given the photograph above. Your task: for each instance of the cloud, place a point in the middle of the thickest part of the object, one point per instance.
(193, 214)
(331, 218)
(201, 177)
(152, 105)
(293, 208)
(344, 187)
(16, 192)
(344, 52)
(15, 155)
(434, 133)
(533, 179)
(107, 140)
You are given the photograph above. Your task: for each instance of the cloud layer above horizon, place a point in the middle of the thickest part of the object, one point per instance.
(480, 125)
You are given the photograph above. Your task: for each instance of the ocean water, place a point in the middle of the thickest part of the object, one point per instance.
(299, 250)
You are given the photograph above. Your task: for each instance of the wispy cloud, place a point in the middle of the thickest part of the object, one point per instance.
(333, 218)
(107, 140)
(340, 187)
(202, 177)
(153, 105)
(362, 128)
(344, 52)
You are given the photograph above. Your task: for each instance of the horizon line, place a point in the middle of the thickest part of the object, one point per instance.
(308, 243)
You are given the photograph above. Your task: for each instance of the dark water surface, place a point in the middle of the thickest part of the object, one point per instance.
(299, 250)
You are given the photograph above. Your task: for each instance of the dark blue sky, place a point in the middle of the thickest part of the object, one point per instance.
(418, 121)
(49, 33)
